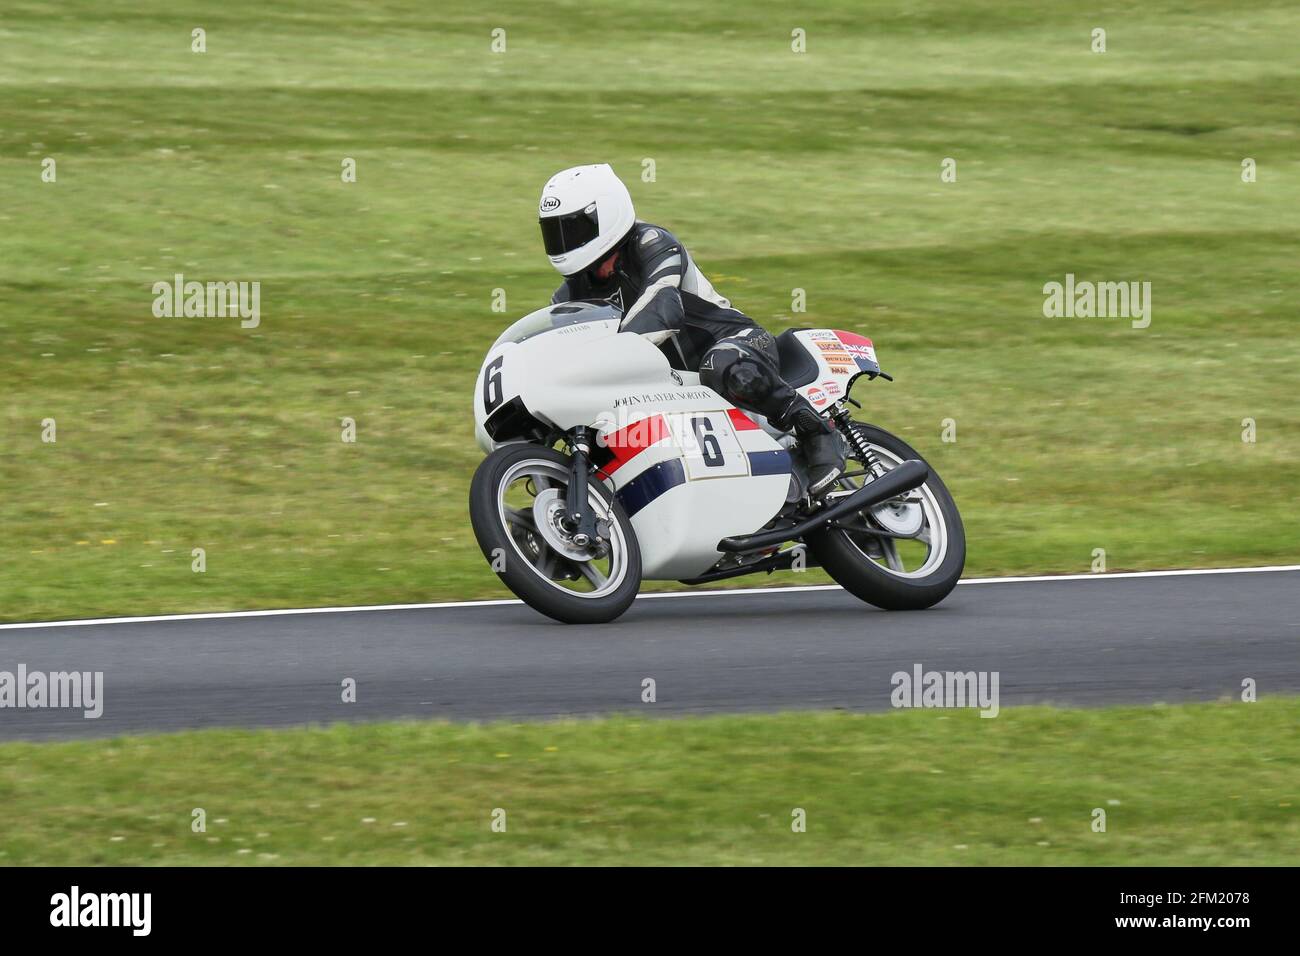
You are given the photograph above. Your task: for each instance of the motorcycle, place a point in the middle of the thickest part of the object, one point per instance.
(607, 465)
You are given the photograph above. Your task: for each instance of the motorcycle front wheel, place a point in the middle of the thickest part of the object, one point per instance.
(517, 503)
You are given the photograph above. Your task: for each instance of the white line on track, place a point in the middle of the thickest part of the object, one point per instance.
(284, 612)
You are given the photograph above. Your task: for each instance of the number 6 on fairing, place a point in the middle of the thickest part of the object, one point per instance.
(709, 446)
(708, 442)
(492, 385)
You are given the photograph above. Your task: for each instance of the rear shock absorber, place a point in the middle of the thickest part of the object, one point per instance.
(865, 453)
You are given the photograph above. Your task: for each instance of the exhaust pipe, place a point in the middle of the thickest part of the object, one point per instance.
(909, 475)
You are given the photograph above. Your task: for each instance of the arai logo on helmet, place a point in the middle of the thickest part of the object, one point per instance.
(549, 203)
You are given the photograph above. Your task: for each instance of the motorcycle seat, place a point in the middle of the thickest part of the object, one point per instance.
(798, 367)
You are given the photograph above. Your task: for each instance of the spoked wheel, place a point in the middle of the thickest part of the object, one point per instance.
(906, 553)
(518, 508)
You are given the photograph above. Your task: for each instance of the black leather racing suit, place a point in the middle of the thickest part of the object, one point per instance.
(660, 289)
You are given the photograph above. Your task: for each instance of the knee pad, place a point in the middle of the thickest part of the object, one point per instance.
(713, 370)
(746, 382)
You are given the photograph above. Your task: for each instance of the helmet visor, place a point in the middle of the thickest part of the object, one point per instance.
(561, 234)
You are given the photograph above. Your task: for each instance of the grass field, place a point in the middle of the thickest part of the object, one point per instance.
(1207, 784)
(819, 171)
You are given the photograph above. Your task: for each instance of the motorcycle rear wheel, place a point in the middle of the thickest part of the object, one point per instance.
(875, 567)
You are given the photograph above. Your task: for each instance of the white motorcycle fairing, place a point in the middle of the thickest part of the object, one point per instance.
(688, 467)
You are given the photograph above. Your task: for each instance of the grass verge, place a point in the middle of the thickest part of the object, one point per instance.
(1207, 784)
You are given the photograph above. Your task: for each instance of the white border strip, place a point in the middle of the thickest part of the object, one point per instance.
(285, 612)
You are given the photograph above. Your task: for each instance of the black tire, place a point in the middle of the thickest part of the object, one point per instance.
(520, 575)
(853, 570)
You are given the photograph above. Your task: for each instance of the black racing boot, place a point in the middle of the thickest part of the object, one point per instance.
(822, 448)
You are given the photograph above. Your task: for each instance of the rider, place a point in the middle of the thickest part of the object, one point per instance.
(594, 239)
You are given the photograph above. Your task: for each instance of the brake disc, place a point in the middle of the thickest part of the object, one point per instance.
(549, 509)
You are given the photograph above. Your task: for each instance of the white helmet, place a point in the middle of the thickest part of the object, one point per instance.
(585, 212)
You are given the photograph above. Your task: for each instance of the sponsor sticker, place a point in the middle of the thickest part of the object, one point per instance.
(833, 354)
(858, 346)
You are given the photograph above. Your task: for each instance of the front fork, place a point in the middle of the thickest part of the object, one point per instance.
(580, 521)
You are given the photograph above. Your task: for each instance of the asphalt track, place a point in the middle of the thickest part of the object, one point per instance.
(1092, 641)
